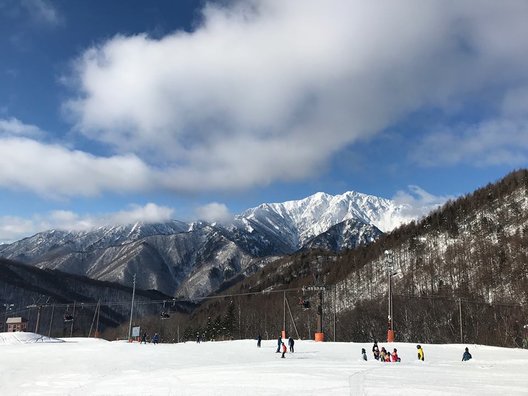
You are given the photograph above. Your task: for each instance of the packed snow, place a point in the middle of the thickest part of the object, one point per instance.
(35, 365)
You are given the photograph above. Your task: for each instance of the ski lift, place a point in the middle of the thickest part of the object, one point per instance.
(68, 317)
(164, 314)
(305, 303)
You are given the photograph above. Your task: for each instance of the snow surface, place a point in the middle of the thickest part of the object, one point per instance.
(82, 366)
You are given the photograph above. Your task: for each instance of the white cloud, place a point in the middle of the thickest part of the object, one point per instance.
(55, 171)
(13, 228)
(494, 142)
(214, 212)
(419, 202)
(42, 11)
(13, 126)
(268, 90)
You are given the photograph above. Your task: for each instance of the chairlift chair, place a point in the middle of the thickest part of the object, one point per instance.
(164, 314)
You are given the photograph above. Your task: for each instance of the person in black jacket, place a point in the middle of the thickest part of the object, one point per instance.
(279, 343)
(376, 351)
(291, 342)
(259, 340)
(466, 356)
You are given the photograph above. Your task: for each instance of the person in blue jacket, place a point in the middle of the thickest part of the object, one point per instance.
(466, 356)
(279, 344)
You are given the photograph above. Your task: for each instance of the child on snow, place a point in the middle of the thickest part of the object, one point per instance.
(284, 349)
(466, 356)
(420, 353)
(395, 357)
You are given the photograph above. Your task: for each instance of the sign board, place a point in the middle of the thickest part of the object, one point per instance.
(314, 288)
(135, 331)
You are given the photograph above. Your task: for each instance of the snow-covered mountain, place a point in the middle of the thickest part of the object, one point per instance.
(194, 259)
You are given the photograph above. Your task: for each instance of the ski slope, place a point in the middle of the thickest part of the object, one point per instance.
(33, 365)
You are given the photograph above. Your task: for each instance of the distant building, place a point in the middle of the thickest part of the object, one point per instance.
(16, 324)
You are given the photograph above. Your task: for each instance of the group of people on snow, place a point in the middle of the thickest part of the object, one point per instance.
(385, 356)
(382, 355)
(154, 340)
(281, 346)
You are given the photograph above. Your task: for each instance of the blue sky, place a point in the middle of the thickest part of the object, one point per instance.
(122, 111)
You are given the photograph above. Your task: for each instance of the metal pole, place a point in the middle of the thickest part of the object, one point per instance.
(51, 320)
(132, 308)
(335, 310)
(460, 320)
(73, 320)
(284, 315)
(39, 307)
(293, 321)
(390, 301)
(320, 313)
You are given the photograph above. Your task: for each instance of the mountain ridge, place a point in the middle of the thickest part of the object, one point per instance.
(194, 259)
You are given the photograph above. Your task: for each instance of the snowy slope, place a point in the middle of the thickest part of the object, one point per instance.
(95, 367)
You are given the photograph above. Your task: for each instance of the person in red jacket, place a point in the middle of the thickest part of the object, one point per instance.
(395, 357)
(284, 349)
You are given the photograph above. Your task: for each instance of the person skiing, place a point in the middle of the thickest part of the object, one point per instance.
(466, 356)
(291, 342)
(259, 340)
(376, 351)
(420, 353)
(279, 343)
(364, 354)
(144, 338)
(395, 357)
(284, 349)
(155, 339)
(198, 338)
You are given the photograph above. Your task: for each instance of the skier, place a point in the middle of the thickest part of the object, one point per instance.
(388, 357)
(144, 338)
(155, 339)
(197, 338)
(420, 353)
(375, 351)
(259, 340)
(284, 349)
(364, 354)
(395, 357)
(279, 343)
(466, 356)
(291, 342)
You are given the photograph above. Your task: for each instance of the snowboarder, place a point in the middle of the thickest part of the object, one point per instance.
(291, 342)
(376, 351)
(364, 354)
(466, 356)
(155, 339)
(395, 357)
(284, 349)
(144, 338)
(420, 353)
(279, 343)
(259, 340)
